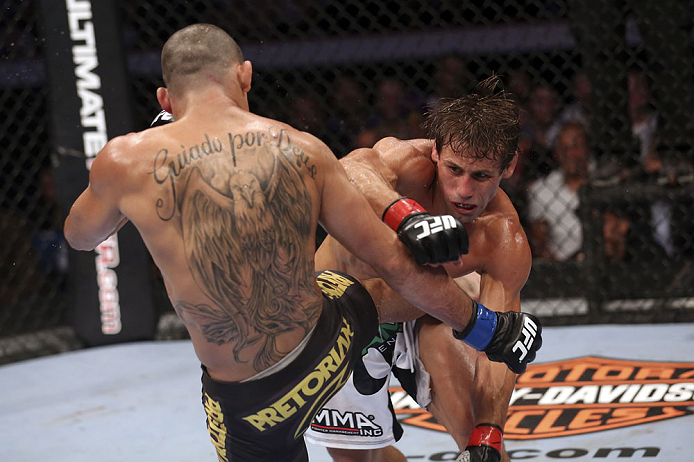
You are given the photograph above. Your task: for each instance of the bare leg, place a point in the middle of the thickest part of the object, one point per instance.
(387, 454)
(467, 389)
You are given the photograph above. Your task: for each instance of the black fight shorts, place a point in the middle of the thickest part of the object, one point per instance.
(265, 419)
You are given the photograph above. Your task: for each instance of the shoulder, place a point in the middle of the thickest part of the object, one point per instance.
(412, 147)
(287, 136)
(114, 152)
(508, 255)
(299, 147)
(123, 147)
(503, 223)
(397, 150)
(306, 152)
(114, 163)
(402, 158)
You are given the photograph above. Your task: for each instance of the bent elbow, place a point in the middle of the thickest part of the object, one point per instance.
(73, 238)
(398, 269)
(78, 244)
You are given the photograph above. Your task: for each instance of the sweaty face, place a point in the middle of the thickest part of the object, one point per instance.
(468, 184)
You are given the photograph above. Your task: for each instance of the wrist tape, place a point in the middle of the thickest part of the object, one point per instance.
(486, 435)
(480, 330)
(399, 209)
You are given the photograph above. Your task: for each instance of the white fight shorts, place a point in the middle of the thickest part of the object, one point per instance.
(360, 415)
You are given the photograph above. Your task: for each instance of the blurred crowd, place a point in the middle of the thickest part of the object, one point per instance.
(562, 158)
(557, 162)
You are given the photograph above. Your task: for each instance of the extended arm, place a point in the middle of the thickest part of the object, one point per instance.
(346, 216)
(391, 166)
(500, 335)
(493, 384)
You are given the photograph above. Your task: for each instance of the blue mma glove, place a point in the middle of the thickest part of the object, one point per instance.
(508, 337)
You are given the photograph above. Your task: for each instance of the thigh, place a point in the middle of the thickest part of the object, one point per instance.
(387, 454)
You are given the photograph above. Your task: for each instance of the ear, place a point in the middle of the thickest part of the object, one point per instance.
(435, 157)
(164, 99)
(508, 171)
(244, 74)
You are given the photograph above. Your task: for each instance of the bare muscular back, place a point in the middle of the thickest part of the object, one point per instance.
(230, 201)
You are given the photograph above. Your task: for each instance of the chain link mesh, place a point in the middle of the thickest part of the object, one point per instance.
(33, 260)
(604, 181)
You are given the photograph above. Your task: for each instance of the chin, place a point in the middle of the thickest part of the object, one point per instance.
(466, 218)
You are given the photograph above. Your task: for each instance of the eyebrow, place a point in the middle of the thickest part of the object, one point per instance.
(487, 171)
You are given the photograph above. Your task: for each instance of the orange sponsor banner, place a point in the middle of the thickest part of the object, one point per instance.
(584, 395)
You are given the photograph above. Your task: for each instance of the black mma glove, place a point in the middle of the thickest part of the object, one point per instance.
(506, 337)
(479, 454)
(484, 445)
(431, 239)
(162, 118)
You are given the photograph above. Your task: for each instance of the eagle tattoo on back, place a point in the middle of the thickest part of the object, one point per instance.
(245, 232)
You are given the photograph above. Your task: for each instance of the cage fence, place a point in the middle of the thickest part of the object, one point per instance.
(604, 182)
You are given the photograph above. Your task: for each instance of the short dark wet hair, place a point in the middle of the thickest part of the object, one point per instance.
(483, 124)
(196, 49)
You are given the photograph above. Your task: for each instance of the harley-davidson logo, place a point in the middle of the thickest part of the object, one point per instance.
(583, 395)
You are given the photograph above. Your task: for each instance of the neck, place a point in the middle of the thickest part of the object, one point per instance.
(208, 100)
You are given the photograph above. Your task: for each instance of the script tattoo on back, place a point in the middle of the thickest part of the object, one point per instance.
(244, 232)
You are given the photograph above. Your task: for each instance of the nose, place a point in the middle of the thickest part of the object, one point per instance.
(465, 187)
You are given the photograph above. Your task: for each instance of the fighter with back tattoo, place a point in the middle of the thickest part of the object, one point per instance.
(227, 203)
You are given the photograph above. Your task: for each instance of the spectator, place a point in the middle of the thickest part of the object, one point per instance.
(367, 138)
(48, 240)
(395, 113)
(614, 231)
(555, 228)
(629, 248)
(644, 125)
(451, 79)
(543, 106)
(306, 115)
(644, 120)
(665, 28)
(628, 236)
(519, 85)
(579, 110)
(392, 108)
(535, 157)
(348, 105)
(19, 263)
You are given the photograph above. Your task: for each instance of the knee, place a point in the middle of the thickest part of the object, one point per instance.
(351, 455)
